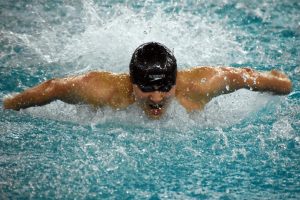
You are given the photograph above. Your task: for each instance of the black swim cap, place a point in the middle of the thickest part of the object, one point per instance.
(153, 67)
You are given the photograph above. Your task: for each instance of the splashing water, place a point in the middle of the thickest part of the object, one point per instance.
(242, 145)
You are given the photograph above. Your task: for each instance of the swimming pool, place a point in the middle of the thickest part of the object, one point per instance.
(245, 145)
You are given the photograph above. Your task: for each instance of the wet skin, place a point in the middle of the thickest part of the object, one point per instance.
(194, 88)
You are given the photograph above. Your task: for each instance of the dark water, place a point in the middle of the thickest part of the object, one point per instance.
(245, 145)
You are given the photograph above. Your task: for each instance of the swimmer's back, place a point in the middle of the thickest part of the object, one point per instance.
(98, 89)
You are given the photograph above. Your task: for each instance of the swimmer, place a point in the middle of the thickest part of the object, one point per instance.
(153, 81)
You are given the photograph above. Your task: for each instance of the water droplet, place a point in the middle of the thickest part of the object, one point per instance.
(254, 81)
(227, 87)
(245, 77)
(203, 80)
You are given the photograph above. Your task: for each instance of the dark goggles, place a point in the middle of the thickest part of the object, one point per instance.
(152, 88)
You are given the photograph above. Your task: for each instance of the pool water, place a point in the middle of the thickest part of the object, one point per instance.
(244, 145)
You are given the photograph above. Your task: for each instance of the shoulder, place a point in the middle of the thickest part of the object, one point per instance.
(95, 80)
(201, 80)
(195, 80)
(95, 77)
(103, 75)
(191, 87)
(197, 74)
(102, 88)
(197, 71)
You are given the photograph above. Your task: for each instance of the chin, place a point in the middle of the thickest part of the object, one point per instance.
(154, 117)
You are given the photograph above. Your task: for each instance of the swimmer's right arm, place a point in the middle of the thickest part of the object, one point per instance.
(44, 93)
(73, 90)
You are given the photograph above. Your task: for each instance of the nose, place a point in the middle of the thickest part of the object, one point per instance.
(156, 96)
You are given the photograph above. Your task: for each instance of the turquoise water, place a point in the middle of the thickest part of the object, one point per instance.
(245, 145)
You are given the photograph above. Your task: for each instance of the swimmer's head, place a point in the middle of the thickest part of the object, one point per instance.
(153, 68)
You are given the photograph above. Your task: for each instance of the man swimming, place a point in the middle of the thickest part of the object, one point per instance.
(152, 83)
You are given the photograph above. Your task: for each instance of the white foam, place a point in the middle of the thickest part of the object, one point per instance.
(108, 40)
(222, 111)
(282, 129)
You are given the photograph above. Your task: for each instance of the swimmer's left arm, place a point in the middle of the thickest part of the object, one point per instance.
(227, 79)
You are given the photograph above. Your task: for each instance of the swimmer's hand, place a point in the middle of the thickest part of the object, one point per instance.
(278, 82)
(278, 74)
(9, 104)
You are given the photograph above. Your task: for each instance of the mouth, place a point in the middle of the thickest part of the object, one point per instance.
(155, 108)
(155, 105)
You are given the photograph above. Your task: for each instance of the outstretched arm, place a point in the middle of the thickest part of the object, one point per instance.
(39, 95)
(95, 88)
(227, 79)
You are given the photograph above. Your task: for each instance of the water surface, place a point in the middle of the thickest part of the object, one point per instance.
(244, 145)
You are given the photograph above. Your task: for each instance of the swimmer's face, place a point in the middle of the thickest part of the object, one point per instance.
(153, 103)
